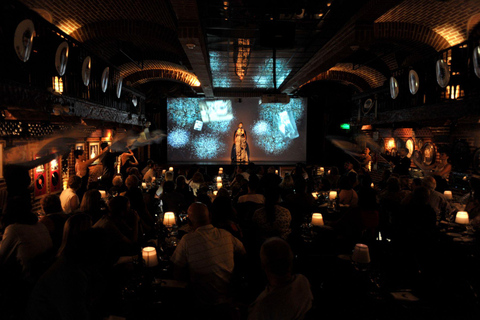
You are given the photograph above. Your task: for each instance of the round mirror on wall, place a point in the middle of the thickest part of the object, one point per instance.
(61, 58)
(105, 75)
(119, 87)
(413, 81)
(394, 88)
(442, 73)
(86, 70)
(23, 39)
(476, 61)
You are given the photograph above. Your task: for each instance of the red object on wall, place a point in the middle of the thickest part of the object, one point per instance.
(40, 182)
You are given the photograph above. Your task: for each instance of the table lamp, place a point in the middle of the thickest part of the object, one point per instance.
(169, 219)
(317, 219)
(462, 217)
(448, 194)
(332, 195)
(361, 254)
(149, 255)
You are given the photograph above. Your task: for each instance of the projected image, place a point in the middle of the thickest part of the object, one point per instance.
(217, 110)
(201, 130)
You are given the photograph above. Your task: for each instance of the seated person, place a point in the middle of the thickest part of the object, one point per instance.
(252, 195)
(206, 257)
(172, 200)
(118, 186)
(54, 218)
(347, 195)
(287, 295)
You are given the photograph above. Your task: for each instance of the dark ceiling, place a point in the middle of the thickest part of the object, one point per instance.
(230, 46)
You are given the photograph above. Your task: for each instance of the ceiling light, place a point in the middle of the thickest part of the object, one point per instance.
(329, 4)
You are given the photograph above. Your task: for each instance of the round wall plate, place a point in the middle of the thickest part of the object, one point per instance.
(476, 61)
(413, 81)
(442, 73)
(61, 58)
(119, 87)
(393, 88)
(105, 75)
(23, 39)
(86, 70)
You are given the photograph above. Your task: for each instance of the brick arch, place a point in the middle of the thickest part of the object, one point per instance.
(157, 70)
(472, 23)
(342, 77)
(373, 77)
(409, 32)
(128, 29)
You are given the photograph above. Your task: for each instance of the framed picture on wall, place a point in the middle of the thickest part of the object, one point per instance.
(94, 149)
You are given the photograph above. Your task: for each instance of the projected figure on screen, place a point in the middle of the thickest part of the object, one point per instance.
(240, 150)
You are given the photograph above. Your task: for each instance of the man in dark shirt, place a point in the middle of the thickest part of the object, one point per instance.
(401, 163)
(108, 160)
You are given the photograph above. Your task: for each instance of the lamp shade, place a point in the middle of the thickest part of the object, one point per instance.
(149, 255)
(361, 253)
(169, 219)
(462, 217)
(333, 195)
(448, 194)
(170, 169)
(315, 195)
(219, 185)
(219, 179)
(317, 219)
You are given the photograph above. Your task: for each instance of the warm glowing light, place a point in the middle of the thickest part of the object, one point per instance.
(219, 179)
(149, 255)
(161, 70)
(215, 192)
(170, 169)
(242, 57)
(169, 219)
(390, 144)
(317, 219)
(448, 194)
(367, 127)
(453, 34)
(332, 195)
(57, 84)
(462, 217)
(68, 26)
(219, 185)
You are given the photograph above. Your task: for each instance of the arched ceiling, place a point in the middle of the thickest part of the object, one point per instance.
(229, 45)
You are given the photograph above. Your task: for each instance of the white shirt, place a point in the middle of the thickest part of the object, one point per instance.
(65, 198)
(208, 252)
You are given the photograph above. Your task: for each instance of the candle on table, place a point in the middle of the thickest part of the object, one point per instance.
(276, 171)
(448, 194)
(219, 179)
(163, 172)
(170, 169)
(144, 185)
(333, 195)
(219, 185)
(361, 253)
(462, 217)
(372, 185)
(149, 254)
(169, 219)
(317, 219)
(215, 192)
(315, 195)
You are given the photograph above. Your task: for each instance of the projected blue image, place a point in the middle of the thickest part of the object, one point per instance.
(203, 130)
(277, 126)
